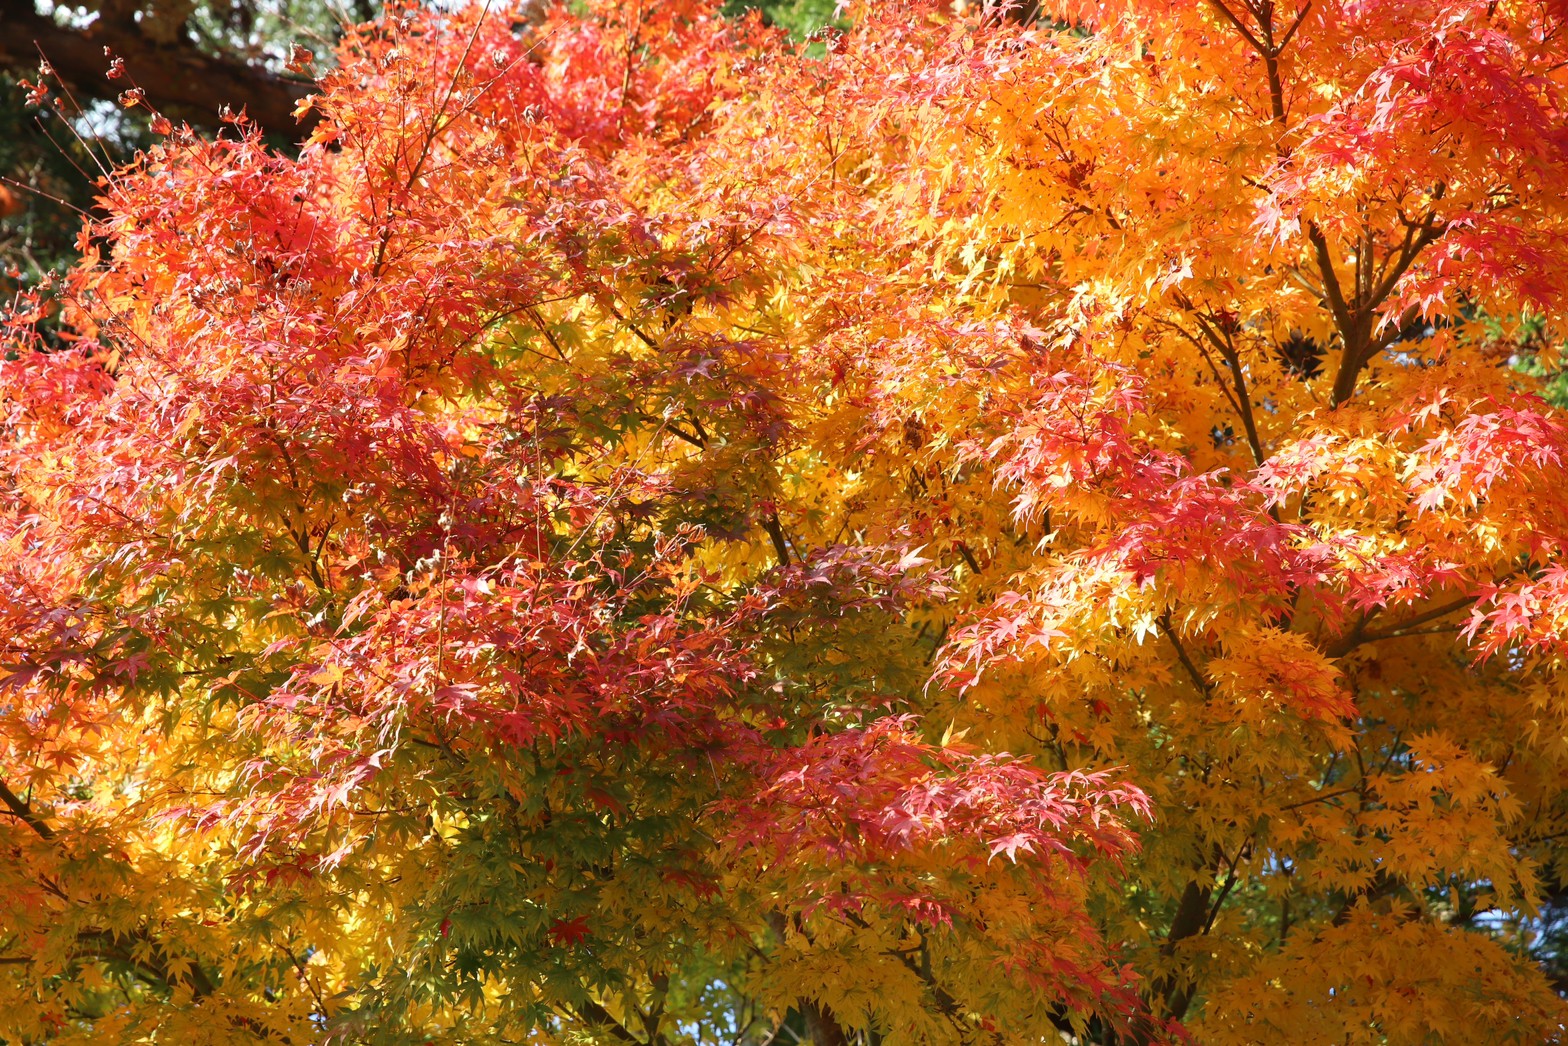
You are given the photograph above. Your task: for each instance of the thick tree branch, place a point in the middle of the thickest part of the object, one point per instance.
(775, 532)
(822, 1025)
(1226, 347)
(1355, 316)
(24, 812)
(178, 78)
(153, 960)
(592, 1013)
(1191, 913)
(1301, 16)
(1360, 635)
(1203, 686)
(1266, 46)
(1331, 289)
(1246, 34)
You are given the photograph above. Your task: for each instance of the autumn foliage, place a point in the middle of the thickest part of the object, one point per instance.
(963, 529)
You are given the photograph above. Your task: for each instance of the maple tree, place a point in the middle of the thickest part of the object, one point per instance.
(965, 529)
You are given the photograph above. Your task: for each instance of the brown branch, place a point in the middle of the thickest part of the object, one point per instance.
(304, 975)
(1354, 316)
(629, 325)
(1331, 288)
(1360, 635)
(922, 970)
(1301, 16)
(102, 944)
(178, 78)
(1430, 232)
(1227, 350)
(1213, 368)
(775, 530)
(1266, 47)
(1325, 797)
(1204, 686)
(1246, 34)
(822, 1025)
(591, 1012)
(1188, 921)
(24, 812)
(1195, 914)
(1276, 86)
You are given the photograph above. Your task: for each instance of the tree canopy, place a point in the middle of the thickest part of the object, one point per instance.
(959, 529)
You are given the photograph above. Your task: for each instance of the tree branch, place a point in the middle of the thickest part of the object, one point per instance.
(822, 1025)
(24, 812)
(1331, 288)
(591, 1012)
(775, 532)
(1203, 685)
(1360, 635)
(1243, 401)
(1246, 34)
(179, 79)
